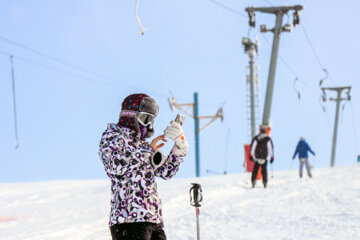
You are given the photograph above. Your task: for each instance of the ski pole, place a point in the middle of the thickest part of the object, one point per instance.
(313, 168)
(272, 172)
(195, 200)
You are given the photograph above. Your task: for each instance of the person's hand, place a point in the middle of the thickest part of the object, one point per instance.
(175, 133)
(154, 142)
(251, 158)
(272, 160)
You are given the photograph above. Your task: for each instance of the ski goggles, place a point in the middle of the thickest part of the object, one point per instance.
(143, 118)
(146, 119)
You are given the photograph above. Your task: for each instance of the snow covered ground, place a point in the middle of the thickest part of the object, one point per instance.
(325, 207)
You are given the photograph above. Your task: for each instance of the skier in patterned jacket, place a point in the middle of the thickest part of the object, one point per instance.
(132, 164)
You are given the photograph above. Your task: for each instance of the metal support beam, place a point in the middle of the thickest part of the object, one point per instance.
(251, 49)
(197, 134)
(338, 100)
(252, 98)
(195, 114)
(336, 123)
(279, 13)
(272, 70)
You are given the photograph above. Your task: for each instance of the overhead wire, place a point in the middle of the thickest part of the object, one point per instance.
(245, 16)
(290, 68)
(228, 8)
(53, 58)
(54, 69)
(268, 2)
(327, 75)
(312, 47)
(295, 74)
(297, 79)
(105, 81)
(305, 84)
(100, 77)
(314, 52)
(287, 65)
(72, 65)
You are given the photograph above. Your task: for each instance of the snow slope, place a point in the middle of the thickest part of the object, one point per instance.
(325, 207)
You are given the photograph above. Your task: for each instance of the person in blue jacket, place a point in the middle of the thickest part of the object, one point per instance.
(302, 149)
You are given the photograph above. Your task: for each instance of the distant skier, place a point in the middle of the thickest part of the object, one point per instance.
(262, 151)
(132, 165)
(302, 149)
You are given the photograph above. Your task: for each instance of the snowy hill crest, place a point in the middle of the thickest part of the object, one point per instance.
(325, 207)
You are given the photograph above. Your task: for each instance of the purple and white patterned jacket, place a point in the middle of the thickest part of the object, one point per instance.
(126, 159)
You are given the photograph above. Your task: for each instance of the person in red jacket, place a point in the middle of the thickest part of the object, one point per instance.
(132, 164)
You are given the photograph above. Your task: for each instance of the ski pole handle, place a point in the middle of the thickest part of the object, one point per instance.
(195, 195)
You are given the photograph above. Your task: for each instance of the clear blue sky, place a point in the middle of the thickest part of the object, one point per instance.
(190, 46)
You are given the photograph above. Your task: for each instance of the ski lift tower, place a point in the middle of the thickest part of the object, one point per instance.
(279, 12)
(252, 96)
(252, 84)
(186, 108)
(338, 100)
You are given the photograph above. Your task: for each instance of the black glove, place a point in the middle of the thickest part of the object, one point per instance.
(272, 160)
(251, 158)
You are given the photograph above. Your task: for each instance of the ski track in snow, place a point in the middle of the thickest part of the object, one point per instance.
(325, 207)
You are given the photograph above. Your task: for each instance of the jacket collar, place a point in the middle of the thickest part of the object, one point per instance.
(125, 131)
(261, 136)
